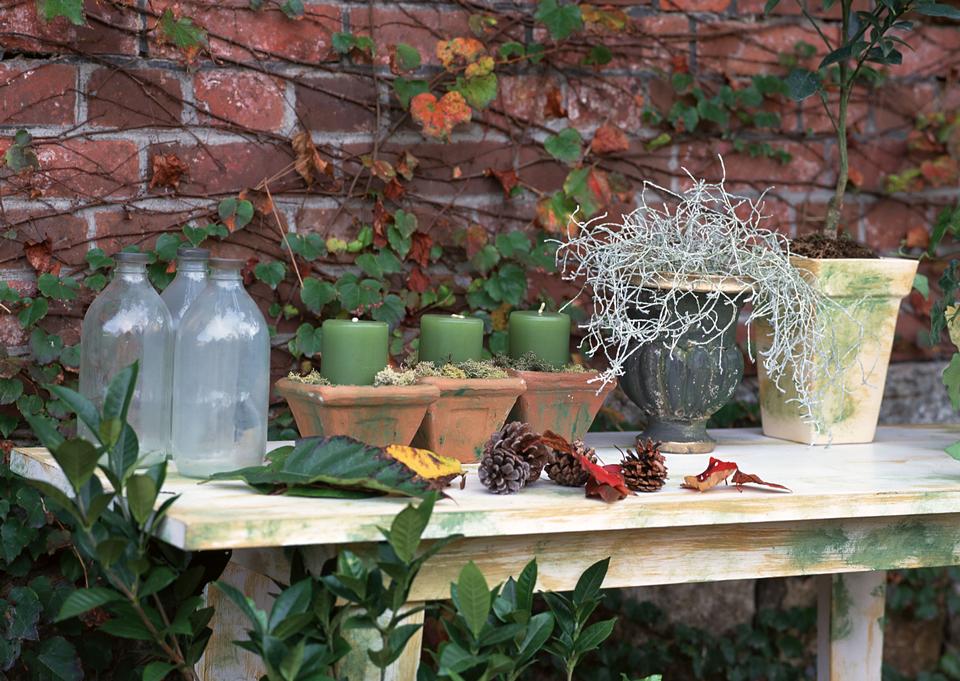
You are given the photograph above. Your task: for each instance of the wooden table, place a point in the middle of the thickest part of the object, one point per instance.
(854, 512)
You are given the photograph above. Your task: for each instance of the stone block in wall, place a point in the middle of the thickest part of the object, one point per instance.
(715, 606)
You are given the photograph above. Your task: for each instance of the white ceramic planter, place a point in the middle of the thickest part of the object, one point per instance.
(870, 291)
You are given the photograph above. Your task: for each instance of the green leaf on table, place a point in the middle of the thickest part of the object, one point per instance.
(954, 450)
(315, 293)
(141, 496)
(82, 600)
(561, 20)
(270, 273)
(472, 598)
(564, 146)
(58, 288)
(338, 461)
(951, 379)
(77, 459)
(801, 83)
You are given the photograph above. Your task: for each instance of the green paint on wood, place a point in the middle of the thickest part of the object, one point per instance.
(883, 548)
(811, 547)
(841, 624)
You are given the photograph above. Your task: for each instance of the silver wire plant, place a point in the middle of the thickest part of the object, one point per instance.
(643, 271)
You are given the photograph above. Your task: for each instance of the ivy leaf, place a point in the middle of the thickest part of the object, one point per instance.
(512, 280)
(398, 242)
(98, 260)
(20, 155)
(270, 273)
(438, 118)
(235, 213)
(599, 55)
(511, 49)
(513, 244)
(181, 32)
(35, 310)
(479, 91)
(392, 310)
(589, 187)
(167, 246)
(71, 9)
(951, 379)
(307, 341)
(408, 89)
(485, 259)
(801, 83)
(564, 146)
(292, 8)
(369, 264)
(10, 390)
(561, 20)
(307, 246)
(407, 57)
(46, 347)
(406, 223)
(315, 293)
(56, 287)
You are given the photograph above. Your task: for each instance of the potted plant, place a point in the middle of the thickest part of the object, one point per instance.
(867, 290)
(562, 399)
(668, 285)
(475, 399)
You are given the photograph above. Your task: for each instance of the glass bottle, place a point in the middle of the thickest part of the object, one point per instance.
(191, 279)
(221, 378)
(129, 322)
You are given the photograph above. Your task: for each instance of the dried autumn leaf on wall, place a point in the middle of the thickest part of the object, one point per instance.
(40, 256)
(609, 139)
(718, 471)
(439, 117)
(460, 52)
(554, 108)
(308, 163)
(420, 245)
(168, 170)
(604, 18)
(508, 179)
(418, 282)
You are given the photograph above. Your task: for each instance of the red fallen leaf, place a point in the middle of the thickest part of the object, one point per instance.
(394, 190)
(719, 471)
(740, 479)
(917, 237)
(40, 256)
(420, 245)
(557, 443)
(609, 139)
(605, 482)
(508, 179)
(439, 117)
(418, 281)
(554, 107)
(168, 170)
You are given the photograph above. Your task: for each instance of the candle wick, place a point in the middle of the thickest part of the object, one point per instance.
(542, 305)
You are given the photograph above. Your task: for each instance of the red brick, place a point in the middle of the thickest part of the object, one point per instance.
(807, 168)
(248, 99)
(340, 104)
(81, 168)
(792, 8)
(524, 97)
(814, 118)
(746, 48)
(109, 30)
(934, 52)
(231, 167)
(341, 222)
(421, 28)
(875, 159)
(617, 100)
(134, 98)
(812, 214)
(886, 223)
(695, 5)
(42, 95)
(897, 105)
(67, 234)
(238, 33)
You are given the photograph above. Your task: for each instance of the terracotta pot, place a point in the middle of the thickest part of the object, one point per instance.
(564, 402)
(380, 416)
(869, 291)
(468, 412)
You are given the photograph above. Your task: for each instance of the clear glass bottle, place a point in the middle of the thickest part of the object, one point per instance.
(221, 378)
(129, 322)
(190, 281)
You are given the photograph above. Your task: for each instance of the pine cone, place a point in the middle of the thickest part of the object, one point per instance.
(503, 472)
(522, 441)
(644, 469)
(566, 469)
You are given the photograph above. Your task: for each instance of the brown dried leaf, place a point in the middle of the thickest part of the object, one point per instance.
(554, 107)
(40, 256)
(609, 139)
(394, 190)
(557, 443)
(308, 162)
(168, 170)
(420, 245)
(406, 165)
(418, 281)
(740, 479)
(508, 179)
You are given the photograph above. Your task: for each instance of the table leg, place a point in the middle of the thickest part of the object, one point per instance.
(850, 626)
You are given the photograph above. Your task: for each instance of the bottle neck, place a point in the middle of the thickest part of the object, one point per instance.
(192, 266)
(226, 279)
(131, 273)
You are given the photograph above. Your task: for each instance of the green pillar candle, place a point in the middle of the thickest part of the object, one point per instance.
(545, 334)
(352, 351)
(450, 338)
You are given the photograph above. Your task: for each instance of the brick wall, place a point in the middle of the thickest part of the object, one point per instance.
(103, 101)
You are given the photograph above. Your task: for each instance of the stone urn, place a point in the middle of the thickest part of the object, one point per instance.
(679, 388)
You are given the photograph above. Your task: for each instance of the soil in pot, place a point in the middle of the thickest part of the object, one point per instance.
(467, 412)
(869, 292)
(679, 388)
(379, 416)
(565, 402)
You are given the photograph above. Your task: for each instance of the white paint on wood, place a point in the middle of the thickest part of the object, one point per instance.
(850, 626)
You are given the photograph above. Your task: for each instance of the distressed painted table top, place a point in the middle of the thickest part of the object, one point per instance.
(903, 473)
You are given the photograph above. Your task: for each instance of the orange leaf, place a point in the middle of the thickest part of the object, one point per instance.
(167, 171)
(609, 139)
(459, 52)
(439, 117)
(554, 107)
(40, 256)
(508, 179)
(476, 238)
(307, 162)
(420, 245)
(606, 18)
(717, 471)
(855, 177)
(406, 165)
(917, 237)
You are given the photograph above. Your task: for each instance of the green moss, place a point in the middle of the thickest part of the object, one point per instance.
(461, 370)
(313, 378)
(531, 362)
(391, 376)
(809, 548)
(841, 624)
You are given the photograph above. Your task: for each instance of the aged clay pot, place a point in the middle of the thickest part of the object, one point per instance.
(380, 416)
(564, 402)
(679, 389)
(468, 411)
(869, 292)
